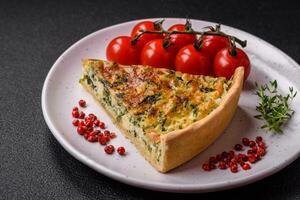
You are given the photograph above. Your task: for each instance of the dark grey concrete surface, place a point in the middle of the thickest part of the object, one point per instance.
(32, 36)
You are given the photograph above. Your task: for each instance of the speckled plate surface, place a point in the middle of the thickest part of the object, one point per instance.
(62, 91)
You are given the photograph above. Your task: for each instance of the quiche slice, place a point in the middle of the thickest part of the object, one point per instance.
(169, 116)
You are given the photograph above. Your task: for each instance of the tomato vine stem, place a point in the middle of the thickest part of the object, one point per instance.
(243, 43)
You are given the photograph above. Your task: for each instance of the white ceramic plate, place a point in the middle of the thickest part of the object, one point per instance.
(62, 91)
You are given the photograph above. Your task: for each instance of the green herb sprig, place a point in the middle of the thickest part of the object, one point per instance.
(274, 108)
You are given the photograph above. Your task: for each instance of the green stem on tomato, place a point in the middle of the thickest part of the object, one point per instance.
(233, 51)
(166, 42)
(188, 25)
(158, 24)
(198, 43)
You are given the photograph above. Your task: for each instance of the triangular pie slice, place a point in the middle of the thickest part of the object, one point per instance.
(169, 116)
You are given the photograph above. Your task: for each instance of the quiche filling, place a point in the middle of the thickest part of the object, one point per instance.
(149, 102)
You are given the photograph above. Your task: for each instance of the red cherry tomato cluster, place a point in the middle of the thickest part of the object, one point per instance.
(87, 127)
(180, 49)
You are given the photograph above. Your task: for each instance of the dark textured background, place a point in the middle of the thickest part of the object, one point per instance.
(33, 35)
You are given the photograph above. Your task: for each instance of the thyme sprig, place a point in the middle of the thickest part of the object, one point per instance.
(274, 108)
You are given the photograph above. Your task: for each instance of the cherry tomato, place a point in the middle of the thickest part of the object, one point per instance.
(121, 51)
(212, 44)
(154, 54)
(145, 25)
(180, 40)
(192, 61)
(225, 64)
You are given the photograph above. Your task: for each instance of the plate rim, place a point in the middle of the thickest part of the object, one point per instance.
(166, 187)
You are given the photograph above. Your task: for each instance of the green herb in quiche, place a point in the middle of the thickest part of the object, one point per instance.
(274, 108)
